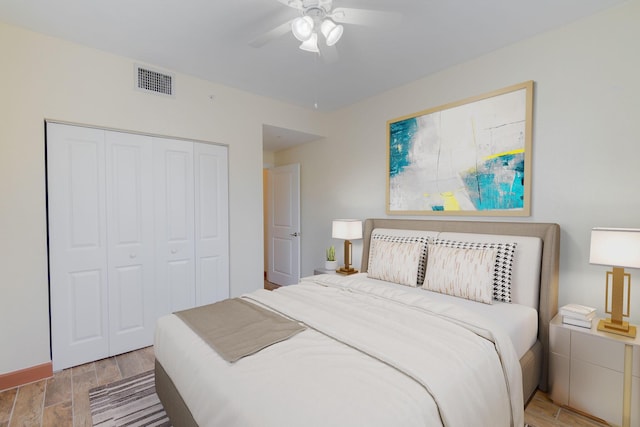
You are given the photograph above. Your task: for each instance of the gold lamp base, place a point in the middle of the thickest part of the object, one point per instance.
(606, 325)
(346, 271)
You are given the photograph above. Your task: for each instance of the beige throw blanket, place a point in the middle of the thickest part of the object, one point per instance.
(235, 328)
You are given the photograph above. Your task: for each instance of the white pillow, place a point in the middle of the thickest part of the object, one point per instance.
(390, 236)
(503, 266)
(395, 262)
(527, 259)
(462, 272)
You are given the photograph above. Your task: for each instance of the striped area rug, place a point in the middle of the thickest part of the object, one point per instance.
(129, 402)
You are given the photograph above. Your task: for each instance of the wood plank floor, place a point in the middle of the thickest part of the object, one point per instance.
(63, 400)
(542, 412)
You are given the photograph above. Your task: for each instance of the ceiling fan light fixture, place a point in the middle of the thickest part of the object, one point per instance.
(302, 28)
(331, 31)
(311, 44)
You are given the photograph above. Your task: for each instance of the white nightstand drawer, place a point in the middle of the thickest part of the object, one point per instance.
(560, 339)
(596, 390)
(559, 369)
(597, 350)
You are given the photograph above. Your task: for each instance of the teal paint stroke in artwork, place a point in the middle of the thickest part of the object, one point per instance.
(400, 141)
(497, 183)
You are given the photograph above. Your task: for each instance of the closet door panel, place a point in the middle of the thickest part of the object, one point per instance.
(128, 312)
(211, 223)
(129, 162)
(85, 291)
(77, 244)
(180, 284)
(175, 275)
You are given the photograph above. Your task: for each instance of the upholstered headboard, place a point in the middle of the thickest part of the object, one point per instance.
(549, 233)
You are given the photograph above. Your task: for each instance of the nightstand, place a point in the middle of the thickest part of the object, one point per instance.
(323, 271)
(594, 372)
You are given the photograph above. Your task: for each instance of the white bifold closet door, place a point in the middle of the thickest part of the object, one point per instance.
(130, 241)
(211, 222)
(192, 224)
(175, 242)
(101, 276)
(77, 245)
(138, 227)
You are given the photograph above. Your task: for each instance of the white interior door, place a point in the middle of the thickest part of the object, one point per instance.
(175, 264)
(283, 230)
(129, 189)
(77, 245)
(211, 223)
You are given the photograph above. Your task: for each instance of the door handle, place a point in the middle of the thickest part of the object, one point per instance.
(296, 234)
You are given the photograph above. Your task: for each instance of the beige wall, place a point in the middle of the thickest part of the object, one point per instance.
(586, 144)
(46, 78)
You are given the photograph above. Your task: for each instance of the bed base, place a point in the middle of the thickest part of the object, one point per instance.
(171, 400)
(531, 364)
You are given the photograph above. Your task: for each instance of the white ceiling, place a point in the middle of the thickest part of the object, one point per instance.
(209, 39)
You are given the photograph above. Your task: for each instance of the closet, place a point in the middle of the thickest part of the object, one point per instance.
(138, 228)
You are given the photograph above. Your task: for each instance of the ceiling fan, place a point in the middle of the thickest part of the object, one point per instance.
(319, 28)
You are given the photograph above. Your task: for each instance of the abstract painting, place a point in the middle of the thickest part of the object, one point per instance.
(471, 157)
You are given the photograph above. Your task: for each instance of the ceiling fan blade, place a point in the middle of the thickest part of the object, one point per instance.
(348, 15)
(272, 34)
(296, 4)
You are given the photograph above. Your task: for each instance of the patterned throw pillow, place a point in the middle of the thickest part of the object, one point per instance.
(395, 262)
(461, 272)
(503, 266)
(422, 264)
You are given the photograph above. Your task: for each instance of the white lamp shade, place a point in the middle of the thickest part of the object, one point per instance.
(331, 31)
(311, 44)
(347, 229)
(302, 28)
(616, 247)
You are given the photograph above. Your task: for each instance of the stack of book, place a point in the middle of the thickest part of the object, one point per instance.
(577, 315)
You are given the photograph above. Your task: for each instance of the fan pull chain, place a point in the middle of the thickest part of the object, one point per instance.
(315, 87)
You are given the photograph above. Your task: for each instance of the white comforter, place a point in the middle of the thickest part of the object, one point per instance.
(372, 356)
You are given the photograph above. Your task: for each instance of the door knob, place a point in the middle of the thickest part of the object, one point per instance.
(296, 234)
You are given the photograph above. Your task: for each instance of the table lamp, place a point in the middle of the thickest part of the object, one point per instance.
(619, 248)
(347, 229)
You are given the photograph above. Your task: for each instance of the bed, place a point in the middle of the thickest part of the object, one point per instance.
(377, 352)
